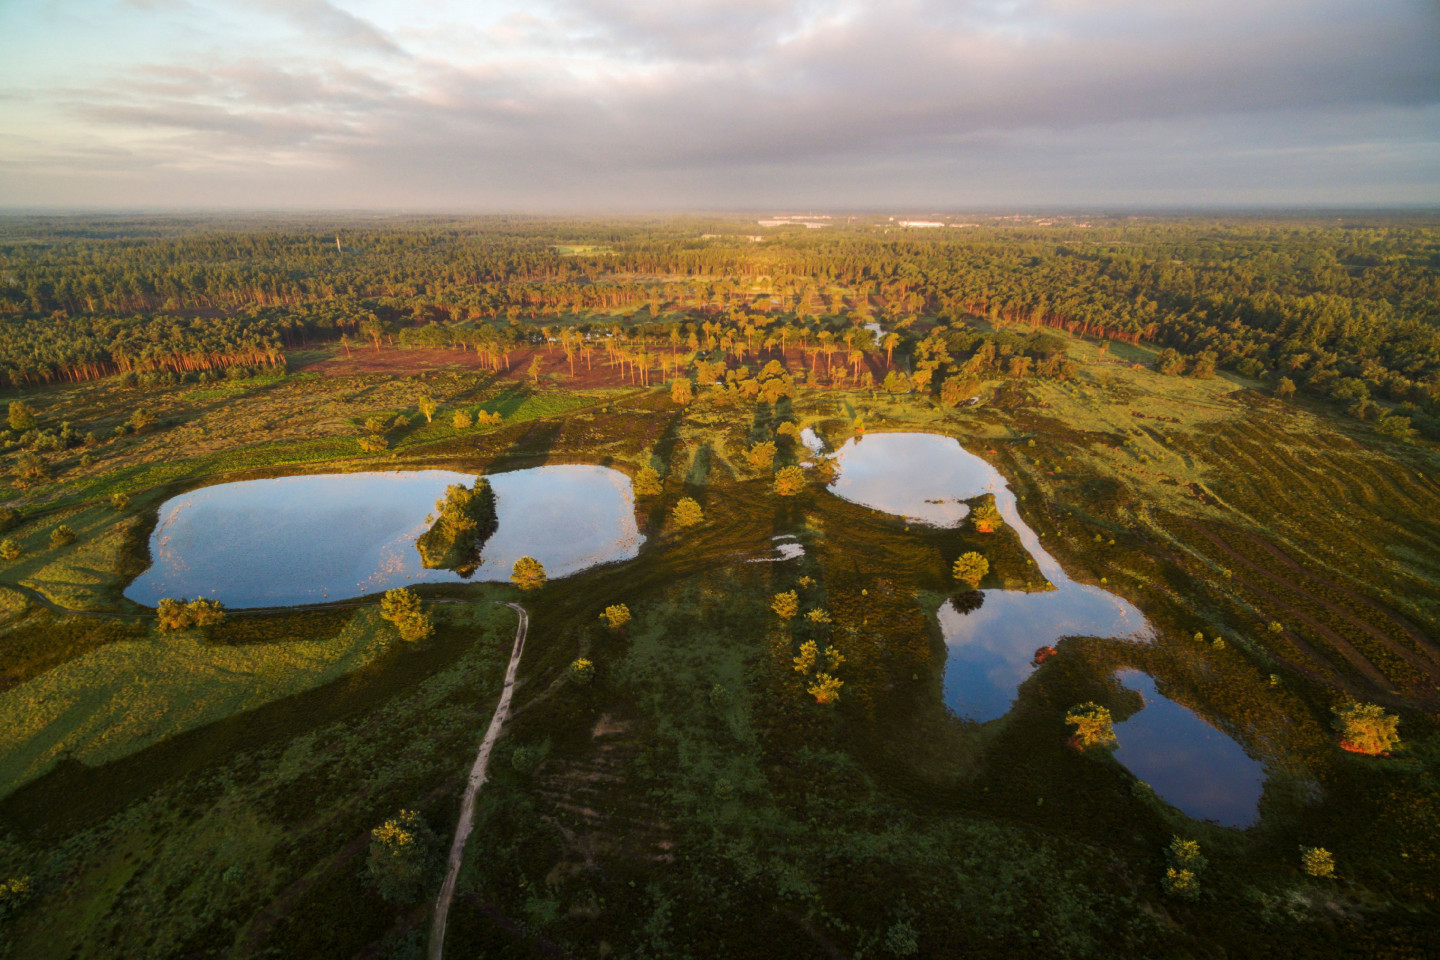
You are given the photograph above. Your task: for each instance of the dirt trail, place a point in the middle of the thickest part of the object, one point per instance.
(472, 790)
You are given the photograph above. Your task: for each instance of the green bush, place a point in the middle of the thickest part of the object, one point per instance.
(1093, 724)
(902, 939)
(402, 858)
(687, 513)
(1317, 861)
(524, 758)
(399, 604)
(172, 614)
(970, 567)
(415, 628)
(14, 893)
(401, 607)
(616, 615)
(22, 415)
(789, 481)
(1185, 865)
(1181, 883)
(528, 574)
(581, 671)
(647, 482)
(1366, 728)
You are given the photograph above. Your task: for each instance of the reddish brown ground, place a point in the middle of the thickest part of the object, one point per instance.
(399, 361)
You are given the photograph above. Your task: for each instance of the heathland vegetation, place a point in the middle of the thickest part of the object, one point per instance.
(715, 750)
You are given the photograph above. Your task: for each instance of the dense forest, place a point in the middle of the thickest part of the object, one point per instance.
(1347, 311)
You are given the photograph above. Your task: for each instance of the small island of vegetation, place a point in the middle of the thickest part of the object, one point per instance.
(467, 519)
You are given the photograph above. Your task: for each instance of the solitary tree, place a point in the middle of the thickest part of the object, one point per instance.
(761, 455)
(62, 536)
(825, 688)
(31, 467)
(1285, 388)
(1092, 723)
(462, 420)
(986, 518)
(402, 857)
(1317, 861)
(10, 550)
(647, 482)
(22, 415)
(616, 615)
(528, 574)
(1185, 865)
(399, 604)
(680, 391)
(428, 406)
(789, 481)
(1366, 728)
(971, 567)
(687, 513)
(581, 671)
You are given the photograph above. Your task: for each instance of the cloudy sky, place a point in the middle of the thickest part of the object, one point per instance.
(590, 105)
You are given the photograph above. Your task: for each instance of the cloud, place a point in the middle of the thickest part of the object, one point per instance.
(726, 102)
(320, 19)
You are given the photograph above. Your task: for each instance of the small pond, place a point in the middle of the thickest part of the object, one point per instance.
(925, 478)
(1188, 762)
(298, 540)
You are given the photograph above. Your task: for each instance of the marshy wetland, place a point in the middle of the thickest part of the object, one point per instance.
(990, 640)
(763, 709)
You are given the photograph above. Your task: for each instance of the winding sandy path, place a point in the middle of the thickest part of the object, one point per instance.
(472, 790)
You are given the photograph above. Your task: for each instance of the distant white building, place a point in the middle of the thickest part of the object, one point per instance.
(810, 223)
(921, 224)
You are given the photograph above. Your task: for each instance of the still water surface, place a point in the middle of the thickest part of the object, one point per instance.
(1188, 762)
(925, 478)
(297, 540)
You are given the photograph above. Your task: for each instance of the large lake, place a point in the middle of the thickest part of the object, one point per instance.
(299, 540)
(925, 477)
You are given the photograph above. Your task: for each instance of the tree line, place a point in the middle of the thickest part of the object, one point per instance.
(1345, 312)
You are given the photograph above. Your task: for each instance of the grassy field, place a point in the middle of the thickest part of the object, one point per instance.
(694, 800)
(250, 833)
(126, 695)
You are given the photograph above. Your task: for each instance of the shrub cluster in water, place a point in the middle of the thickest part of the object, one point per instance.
(467, 519)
